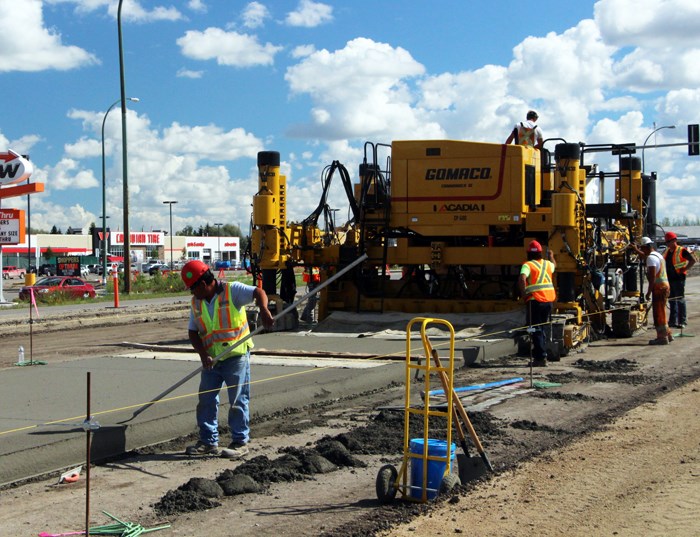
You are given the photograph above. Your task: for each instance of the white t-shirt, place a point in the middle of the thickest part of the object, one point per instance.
(530, 125)
(654, 259)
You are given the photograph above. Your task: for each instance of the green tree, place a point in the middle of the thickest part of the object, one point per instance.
(56, 231)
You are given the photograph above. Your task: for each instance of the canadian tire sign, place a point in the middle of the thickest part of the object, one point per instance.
(14, 168)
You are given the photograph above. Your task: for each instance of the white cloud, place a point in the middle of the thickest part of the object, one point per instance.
(227, 48)
(27, 45)
(359, 91)
(661, 41)
(197, 5)
(310, 14)
(132, 10)
(254, 15)
(68, 174)
(302, 51)
(189, 73)
(164, 164)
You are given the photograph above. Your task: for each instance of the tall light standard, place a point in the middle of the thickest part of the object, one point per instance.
(125, 175)
(172, 266)
(650, 135)
(104, 187)
(218, 233)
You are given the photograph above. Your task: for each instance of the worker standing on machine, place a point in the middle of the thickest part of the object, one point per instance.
(678, 262)
(659, 289)
(527, 133)
(537, 288)
(218, 320)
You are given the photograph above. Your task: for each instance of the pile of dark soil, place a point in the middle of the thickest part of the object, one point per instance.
(383, 435)
(563, 396)
(620, 365)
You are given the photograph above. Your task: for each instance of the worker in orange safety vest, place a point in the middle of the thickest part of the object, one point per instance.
(537, 288)
(312, 277)
(679, 261)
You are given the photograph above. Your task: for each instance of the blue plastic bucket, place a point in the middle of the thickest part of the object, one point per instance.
(436, 469)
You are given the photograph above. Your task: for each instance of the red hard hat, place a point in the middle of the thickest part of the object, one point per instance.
(193, 271)
(534, 246)
(670, 235)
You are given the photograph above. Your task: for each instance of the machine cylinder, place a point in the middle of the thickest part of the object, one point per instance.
(564, 209)
(264, 210)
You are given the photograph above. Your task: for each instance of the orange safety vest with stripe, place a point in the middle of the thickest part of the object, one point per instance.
(526, 135)
(227, 326)
(661, 275)
(680, 263)
(313, 277)
(539, 284)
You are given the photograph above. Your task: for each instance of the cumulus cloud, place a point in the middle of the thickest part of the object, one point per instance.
(69, 174)
(309, 14)
(174, 163)
(227, 48)
(27, 45)
(254, 15)
(132, 10)
(660, 40)
(359, 91)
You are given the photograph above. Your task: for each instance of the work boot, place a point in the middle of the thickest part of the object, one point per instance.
(659, 341)
(539, 362)
(200, 448)
(235, 450)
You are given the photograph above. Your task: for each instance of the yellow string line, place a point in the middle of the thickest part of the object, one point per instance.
(280, 377)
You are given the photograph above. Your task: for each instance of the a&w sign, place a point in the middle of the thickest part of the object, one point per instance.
(14, 168)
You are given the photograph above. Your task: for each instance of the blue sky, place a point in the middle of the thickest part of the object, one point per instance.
(220, 80)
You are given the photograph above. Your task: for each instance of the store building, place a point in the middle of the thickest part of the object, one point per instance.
(42, 248)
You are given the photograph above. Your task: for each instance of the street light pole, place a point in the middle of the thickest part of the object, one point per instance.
(650, 135)
(170, 203)
(104, 187)
(219, 239)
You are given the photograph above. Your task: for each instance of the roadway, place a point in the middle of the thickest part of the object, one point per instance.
(45, 406)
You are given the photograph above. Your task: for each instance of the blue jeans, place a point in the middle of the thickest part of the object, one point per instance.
(235, 372)
(676, 301)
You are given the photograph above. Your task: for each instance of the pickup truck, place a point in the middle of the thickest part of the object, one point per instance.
(11, 271)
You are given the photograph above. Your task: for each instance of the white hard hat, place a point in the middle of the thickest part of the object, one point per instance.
(646, 241)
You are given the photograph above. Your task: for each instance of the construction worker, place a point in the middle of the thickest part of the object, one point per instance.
(527, 133)
(537, 288)
(678, 262)
(658, 290)
(312, 277)
(217, 321)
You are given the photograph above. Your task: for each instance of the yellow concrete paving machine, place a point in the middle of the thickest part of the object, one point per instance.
(445, 225)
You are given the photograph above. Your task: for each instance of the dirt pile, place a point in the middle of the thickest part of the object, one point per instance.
(382, 436)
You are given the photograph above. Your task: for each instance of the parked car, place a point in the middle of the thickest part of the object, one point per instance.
(93, 267)
(76, 287)
(10, 271)
(158, 267)
(47, 269)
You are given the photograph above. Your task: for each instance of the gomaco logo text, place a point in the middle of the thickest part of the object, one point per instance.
(456, 174)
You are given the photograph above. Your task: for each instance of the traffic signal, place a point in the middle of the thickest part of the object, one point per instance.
(693, 139)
